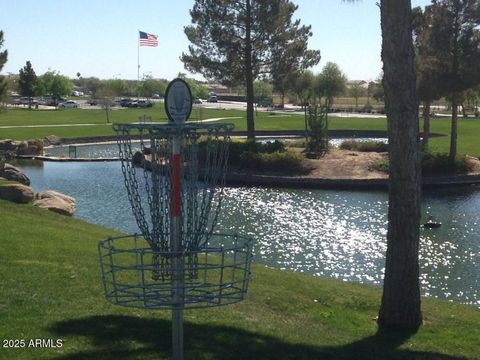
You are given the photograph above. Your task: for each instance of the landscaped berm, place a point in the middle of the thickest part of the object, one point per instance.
(51, 293)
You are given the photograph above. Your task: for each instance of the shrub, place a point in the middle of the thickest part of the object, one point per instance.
(438, 164)
(364, 146)
(257, 147)
(238, 148)
(383, 165)
(318, 128)
(284, 162)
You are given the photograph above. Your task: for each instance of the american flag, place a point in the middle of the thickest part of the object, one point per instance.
(147, 39)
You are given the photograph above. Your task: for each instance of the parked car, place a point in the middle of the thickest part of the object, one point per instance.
(92, 102)
(125, 102)
(155, 96)
(68, 104)
(198, 101)
(49, 101)
(16, 101)
(55, 102)
(212, 98)
(144, 103)
(265, 102)
(25, 101)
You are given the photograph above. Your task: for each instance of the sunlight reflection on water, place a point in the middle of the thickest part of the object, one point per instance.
(340, 234)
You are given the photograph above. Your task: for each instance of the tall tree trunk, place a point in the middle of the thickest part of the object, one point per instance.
(453, 133)
(249, 73)
(326, 110)
(456, 74)
(400, 306)
(464, 111)
(426, 124)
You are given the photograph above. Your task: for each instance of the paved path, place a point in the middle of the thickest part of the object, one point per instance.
(48, 126)
(77, 125)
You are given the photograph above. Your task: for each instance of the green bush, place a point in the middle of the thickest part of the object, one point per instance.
(436, 164)
(238, 148)
(283, 162)
(260, 156)
(383, 165)
(364, 146)
(318, 130)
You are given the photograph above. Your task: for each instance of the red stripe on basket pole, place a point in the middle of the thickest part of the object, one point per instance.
(176, 198)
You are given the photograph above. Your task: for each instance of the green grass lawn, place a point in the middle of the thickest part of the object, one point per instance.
(468, 129)
(50, 288)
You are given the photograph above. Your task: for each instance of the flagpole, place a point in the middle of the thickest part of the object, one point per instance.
(138, 61)
(138, 56)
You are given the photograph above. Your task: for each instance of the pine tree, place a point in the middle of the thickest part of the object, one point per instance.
(455, 37)
(237, 41)
(428, 66)
(27, 82)
(3, 60)
(449, 49)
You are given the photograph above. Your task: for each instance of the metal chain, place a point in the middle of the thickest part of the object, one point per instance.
(201, 200)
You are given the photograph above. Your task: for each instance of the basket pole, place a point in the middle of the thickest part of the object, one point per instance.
(176, 244)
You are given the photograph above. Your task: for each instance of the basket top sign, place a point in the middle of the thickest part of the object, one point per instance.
(178, 101)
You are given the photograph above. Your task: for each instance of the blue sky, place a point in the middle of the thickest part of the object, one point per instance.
(99, 38)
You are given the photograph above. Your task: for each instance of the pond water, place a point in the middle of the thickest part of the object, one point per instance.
(90, 151)
(340, 234)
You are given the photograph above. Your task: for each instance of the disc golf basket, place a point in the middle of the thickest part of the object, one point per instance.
(177, 261)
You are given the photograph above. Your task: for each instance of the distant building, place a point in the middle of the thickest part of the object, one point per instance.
(363, 83)
(222, 90)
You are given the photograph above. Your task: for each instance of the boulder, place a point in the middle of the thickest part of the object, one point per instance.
(7, 145)
(52, 140)
(16, 192)
(10, 172)
(30, 147)
(56, 202)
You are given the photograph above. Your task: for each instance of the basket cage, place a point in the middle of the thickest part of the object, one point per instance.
(219, 275)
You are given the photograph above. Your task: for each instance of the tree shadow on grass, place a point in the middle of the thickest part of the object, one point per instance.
(127, 337)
